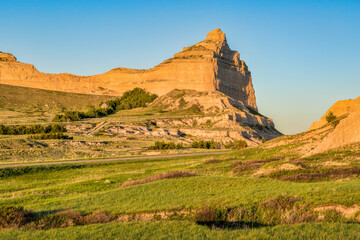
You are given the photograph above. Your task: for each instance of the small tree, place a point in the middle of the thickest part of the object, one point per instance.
(330, 117)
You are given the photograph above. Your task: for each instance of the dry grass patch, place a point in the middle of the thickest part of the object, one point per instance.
(316, 174)
(160, 176)
(213, 160)
(241, 166)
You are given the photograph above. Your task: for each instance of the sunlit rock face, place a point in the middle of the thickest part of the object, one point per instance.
(346, 127)
(209, 65)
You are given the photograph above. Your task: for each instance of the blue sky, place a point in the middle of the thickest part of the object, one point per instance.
(304, 55)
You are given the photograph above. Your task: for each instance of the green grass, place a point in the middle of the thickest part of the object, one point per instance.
(98, 186)
(189, 230)
(85, 188)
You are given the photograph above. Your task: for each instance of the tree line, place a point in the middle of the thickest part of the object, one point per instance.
(31, 129)
(135, 98)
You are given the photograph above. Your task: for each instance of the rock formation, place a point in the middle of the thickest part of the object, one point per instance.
(7, 57)
(343, 131)
(215, 117)
(207, 66)
(346, 126)
(339, 109)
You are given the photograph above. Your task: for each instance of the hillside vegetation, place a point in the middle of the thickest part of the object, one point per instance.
(274, 190)
(23, 98)
(131, 99)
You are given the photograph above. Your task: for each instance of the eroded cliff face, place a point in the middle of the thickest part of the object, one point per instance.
(214, 116)
(346, 128)
(339, 109)
(207, 66)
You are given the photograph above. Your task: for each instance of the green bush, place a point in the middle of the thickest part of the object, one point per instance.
(182, 103)
(131, 99)
(49, 136)
(206, 144)
(161, 145)
(135, 98)
(330, 117)
(237, 144)
(69, 116)
(31, 129)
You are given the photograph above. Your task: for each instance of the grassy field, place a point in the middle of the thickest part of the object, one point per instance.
(264, 192)
(99, 187)
(91, 187)
(190, 230)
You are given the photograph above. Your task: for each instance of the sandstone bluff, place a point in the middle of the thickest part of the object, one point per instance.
(206, 66)
(345, 129)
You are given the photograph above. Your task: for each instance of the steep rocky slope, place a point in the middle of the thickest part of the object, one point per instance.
(346, 126)
(339, 109)
(323, 136)
(207, 66)
(216, 117)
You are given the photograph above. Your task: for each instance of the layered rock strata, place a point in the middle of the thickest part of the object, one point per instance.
(209, 65)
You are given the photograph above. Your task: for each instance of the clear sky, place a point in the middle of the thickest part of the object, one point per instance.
(304, 55)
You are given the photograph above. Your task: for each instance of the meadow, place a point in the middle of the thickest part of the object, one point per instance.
(265, 192)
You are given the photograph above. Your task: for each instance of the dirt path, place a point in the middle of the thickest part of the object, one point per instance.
(97, 128)
(112, 159)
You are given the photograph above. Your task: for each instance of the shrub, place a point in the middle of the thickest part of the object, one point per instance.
(13, 217)
(135, 98)
(330, 117)
(237, 144)
(206, 144)
(69, 116)
(50, 136)
(131, 99)
(210, 214)
(161, 145)
(182, 103)
(57, 220)
(31, 129)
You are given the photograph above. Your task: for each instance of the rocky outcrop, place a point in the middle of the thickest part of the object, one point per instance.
(343, 132)
(339, 109)
(214, 115)
(7, 57)
(209, 65)
(346, 127)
